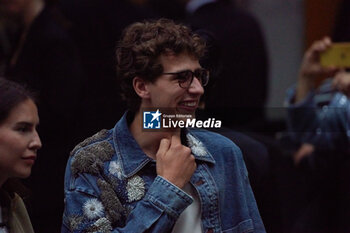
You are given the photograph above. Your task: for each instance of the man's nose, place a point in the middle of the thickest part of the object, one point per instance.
(196, 87)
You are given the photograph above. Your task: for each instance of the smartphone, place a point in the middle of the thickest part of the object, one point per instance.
(337, 56)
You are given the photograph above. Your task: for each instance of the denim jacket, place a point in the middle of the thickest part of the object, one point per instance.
(322, 118)
(111, 185)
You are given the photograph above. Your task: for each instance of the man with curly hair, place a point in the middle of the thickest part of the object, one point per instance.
(128, 179)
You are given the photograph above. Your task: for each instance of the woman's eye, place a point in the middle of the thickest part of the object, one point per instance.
(22, 129)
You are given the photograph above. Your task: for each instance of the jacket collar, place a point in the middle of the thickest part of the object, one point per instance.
(133, 159)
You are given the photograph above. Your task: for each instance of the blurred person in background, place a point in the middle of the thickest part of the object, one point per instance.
(320, 114)
(242, 83)
(319, 124)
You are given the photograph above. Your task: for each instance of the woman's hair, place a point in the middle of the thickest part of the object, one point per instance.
(140, 47)
(12, 94)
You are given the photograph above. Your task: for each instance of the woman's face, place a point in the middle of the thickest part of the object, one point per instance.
(19, 141)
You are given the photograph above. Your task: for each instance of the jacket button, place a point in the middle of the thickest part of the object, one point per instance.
(199, 182)
(210, 230)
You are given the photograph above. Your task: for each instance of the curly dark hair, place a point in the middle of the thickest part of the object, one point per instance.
(140, 47)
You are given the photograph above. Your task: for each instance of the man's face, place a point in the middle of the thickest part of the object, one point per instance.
(165, 92)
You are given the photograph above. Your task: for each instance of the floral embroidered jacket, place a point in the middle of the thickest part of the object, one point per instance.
(111, 185)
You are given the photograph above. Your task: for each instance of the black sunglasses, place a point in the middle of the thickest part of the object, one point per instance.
(185, 78)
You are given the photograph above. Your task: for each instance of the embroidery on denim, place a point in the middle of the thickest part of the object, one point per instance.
(91, 159)
(119, 187)
(113, 208)
(128, 210)
(74, 222)
(93, 209)
(115, 169)
(135, 188)
(196, 146)
(96, 137)
(101, 225)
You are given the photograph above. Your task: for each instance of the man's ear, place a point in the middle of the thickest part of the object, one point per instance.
(140, 87)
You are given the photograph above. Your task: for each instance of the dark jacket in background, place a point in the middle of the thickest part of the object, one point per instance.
(239, 92)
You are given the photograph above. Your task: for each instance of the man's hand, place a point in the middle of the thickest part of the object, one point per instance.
(175, 161)
(311, 68)
(341, 82)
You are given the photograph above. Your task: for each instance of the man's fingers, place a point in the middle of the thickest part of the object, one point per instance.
(175, 140)
(163, 146)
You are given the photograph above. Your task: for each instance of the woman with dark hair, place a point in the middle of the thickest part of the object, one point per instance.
(19, 142)
(44, 57)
